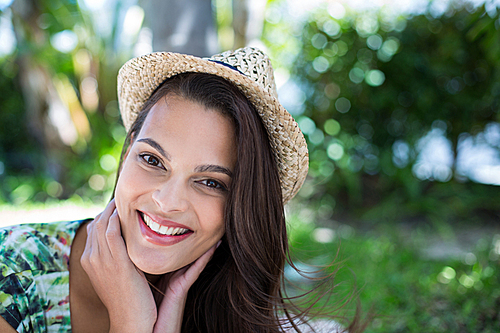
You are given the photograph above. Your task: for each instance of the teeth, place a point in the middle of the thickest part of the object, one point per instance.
(161, 229)
(155, 227)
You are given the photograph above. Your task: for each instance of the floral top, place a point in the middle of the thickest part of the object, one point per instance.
(34, 284)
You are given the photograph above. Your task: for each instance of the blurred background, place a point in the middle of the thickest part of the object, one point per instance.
(399, 102)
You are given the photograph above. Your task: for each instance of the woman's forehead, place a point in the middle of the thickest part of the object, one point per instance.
(187, 114)
(181, 125)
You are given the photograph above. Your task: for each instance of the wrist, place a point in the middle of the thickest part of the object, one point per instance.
(170, 316)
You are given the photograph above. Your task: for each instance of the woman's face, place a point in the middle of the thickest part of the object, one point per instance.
(172, 189)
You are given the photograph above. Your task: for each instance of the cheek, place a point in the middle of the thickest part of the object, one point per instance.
(129, 187)
(211, 217)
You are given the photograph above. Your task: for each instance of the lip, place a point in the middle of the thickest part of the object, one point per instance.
(166, 223)
(162, 240)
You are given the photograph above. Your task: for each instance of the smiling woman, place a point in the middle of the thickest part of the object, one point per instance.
(195, 238)
(175, 177)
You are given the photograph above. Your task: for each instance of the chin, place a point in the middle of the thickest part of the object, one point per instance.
(154, 269)
(154, 264)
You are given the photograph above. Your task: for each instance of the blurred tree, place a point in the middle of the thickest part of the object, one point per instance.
(53, 124)
(186, 27)
(374, 85)
(248, 19)
(67, 104)
(239, 22)
(61, 133)
(49, 122)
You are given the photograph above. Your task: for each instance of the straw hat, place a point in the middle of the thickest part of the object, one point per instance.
(250, 70)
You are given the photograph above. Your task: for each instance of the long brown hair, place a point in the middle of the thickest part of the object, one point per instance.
(240, 288)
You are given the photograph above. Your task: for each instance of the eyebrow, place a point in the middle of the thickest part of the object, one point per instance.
(214, 168)
(156, 146)
(200, 168)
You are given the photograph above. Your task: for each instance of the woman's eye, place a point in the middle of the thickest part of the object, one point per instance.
(151, 160)
(213, 184)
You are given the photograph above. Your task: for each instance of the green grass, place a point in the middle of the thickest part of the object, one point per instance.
(406, 291)
(52, 211)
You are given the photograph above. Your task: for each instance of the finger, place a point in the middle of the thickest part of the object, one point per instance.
(177, 273)
(100, 227)
(91, 239)
(102, 222)
(108, 210)
(198, 266)
(88, 245)
(97, 228)
(88, 241)
(180, 282)
(114, 237)
(205, 258)
(91, 251)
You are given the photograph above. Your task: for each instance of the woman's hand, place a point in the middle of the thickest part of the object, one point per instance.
(122, 288)
(176, 287)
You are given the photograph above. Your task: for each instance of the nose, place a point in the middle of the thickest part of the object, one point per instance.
(171, 196)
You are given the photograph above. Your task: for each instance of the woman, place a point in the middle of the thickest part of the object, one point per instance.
(195, 237)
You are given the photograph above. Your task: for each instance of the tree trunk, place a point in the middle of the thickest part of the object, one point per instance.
(37, 88)
(248, 20)
(182, 26)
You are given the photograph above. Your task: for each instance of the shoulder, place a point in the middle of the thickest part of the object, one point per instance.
(34, 280)
(33, 247)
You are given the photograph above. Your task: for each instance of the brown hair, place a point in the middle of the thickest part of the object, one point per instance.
(240, 288)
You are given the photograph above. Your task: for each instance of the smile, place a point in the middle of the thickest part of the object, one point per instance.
(161, 229)
(158, 234)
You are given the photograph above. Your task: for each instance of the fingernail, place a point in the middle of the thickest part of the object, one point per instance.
(218, 243)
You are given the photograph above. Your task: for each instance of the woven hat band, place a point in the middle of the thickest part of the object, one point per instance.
(227, 65)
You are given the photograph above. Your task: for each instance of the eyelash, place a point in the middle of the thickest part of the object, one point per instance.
(219, 186)
(147, 157)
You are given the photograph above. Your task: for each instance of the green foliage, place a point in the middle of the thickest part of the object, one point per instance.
(36, 163)
(407, 291)
(12, 126)
(374, 84)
